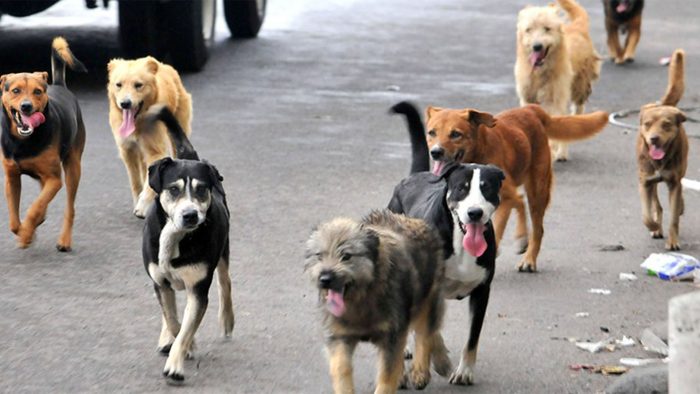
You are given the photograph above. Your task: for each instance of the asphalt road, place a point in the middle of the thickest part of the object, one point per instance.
(296, 122)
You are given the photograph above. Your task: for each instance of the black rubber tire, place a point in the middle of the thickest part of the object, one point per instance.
(243, 17)
(139, 31)
(188, 47)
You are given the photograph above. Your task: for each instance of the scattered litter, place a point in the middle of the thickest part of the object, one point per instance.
(582, 314)
(624, 276)
(640, 362)
(393, 88)
(665, 61)
(652, 343)
(611, 370)
(600, 291)
(578, 367)
(612, 248)
(604, 329)
(697, 277)
(595, 347)
(690, 184)
(671, 266)
(625, 341)
(568, 339)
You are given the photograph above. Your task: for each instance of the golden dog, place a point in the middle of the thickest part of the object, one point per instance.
(134, 86)
(662, 155)
(556, 62)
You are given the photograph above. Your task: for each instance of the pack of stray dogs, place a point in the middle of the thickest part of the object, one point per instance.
(387, 275)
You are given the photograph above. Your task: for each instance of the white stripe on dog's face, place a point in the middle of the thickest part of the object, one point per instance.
(475, 199)
(184, 198)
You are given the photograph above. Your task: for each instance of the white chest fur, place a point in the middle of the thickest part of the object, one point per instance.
(462, 274)
(179, 278)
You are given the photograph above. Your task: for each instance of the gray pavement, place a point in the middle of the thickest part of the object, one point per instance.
(296, 122)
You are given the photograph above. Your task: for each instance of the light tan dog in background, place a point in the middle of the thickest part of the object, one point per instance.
(134, 86)
(556, 62)
(662, 154)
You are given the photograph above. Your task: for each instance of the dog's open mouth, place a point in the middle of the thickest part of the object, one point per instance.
(537, 58)
(622, 7)
(27, 123)
(656, 152)
(335, 301)
(474, 242)
(440, 165)
(129, 121)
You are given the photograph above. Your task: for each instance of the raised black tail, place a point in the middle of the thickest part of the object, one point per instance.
(183, 146)
(61, 56)
(420, 161)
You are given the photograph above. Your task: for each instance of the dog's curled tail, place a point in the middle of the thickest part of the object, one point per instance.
(676, 79)
(575, 127)
(183, 146)
(61, 56)
(577, 14)
(419, 146)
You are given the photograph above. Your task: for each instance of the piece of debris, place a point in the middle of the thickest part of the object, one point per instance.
(600, 291)
(665, 61)
(628, 277)
(612, 248)
(393, 88)
(625, 341)
(578, 367)
(568, 339)
(690, 184)
(611, 369)
(595, 347)
(582, 314)
(652, 343)
(640, 362)
(671, 266)
(604, 329)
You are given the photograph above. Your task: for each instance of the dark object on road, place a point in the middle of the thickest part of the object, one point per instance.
(459, 203)
(42, 132)
(612, 248)
(179, 32)
(379, 277)
(625, 16)
(642, 380)
(185, 239)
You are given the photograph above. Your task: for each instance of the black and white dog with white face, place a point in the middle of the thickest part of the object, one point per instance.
(459, 203)
(185, 239)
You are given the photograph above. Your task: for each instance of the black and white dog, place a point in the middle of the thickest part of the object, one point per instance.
(185, 238)
(459, 203)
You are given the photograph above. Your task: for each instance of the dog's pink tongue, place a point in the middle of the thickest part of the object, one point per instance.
(437, 167)
(335, 303)
(536, 57)
(656, 153)
(33, 120)
(473, 241)
(622, 7)
(128, 123)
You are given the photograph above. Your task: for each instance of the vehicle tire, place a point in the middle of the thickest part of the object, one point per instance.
(190, 30)
(139, 31)
(244, 17)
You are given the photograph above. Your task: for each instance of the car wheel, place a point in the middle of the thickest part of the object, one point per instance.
(190, 30)
(139, 31)
(244, 17)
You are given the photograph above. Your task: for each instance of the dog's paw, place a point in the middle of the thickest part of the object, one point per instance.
(403, 383)
(628, 59)
(63, 248)
(521, 244)
(658, 234)
(25, 237)
(174, 371)
(141, 206)
(619, 61)
(462, 376)
(165, 349)
(419, 378)
(561, 158)
(673, 245)
(526, 266)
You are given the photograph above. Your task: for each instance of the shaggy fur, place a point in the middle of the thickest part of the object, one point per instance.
(134, 86)
(556, 62)
(662, 155)
(377, 278)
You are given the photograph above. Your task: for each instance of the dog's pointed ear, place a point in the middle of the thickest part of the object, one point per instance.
(3, 78)
(431, 111)
(151, 65)
(371, 242)
(480, 118)
(215, 178)
(155, 172)
(112, 65)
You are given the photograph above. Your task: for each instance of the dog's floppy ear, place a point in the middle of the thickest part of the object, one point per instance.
(151, 65)
(2, 82)
(680, 116)
(371, 242)
(215, 178)
(496, 169)
(43, 75)
(112, 64)
(155, 171)
(480, 118)
(431, 111)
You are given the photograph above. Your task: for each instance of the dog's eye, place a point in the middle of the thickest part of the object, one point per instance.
(647, 125)
(38, 92)
(528, 30)
(200, 191)
(432, 133)
(174, 191)
(547, 29)
(666, 126)
(345, 257)
(138, 85)
(16, 90)
(455, 135)
(118, 85)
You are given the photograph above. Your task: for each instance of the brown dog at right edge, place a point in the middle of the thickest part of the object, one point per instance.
(42, 133)
(516, 141)
(662, 154)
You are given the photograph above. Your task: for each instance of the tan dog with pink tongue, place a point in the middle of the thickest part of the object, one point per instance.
(134, 86)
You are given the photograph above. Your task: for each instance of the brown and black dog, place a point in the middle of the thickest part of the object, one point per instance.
(42, 131)
(662, 154)
(516, 141)
(625, 15)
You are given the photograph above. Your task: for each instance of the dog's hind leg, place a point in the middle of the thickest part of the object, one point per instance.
(521, 240)
(391, 362)
(171, 324)
(634, 32)
(425, 325)
(509, 196)
(538, 195)
(13, 189)
(72, 170)
(226, 316)
(340, 363)
(478, 301)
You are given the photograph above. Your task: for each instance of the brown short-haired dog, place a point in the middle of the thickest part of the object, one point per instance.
(662, 154)
(378, 277)
(42, 132)
(623, 15)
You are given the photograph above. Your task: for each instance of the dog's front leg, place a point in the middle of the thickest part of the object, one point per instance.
(634, 32)
(340, 362)
(614, 50)
(171, 323)
(478, 301)
(50, 185)
(13, 189)
(197, 301)
(676, 203)
(391, 363)
(648, 195)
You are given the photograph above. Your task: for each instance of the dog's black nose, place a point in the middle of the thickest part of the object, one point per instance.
(437, 153)
(654, 140)
(26, 106)
(189, 218)
(125, 104)
(475, 213)
(537, 47)
(325, 279)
